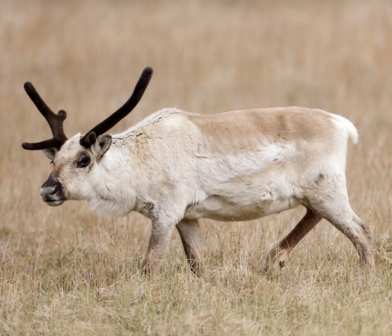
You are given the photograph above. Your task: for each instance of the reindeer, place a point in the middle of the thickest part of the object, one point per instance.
(176, 167)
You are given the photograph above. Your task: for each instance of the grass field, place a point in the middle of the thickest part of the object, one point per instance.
(65, 271)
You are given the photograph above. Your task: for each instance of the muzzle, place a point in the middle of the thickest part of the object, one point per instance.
(52, 192)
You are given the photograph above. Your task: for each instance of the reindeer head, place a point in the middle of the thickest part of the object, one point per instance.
(75, 158)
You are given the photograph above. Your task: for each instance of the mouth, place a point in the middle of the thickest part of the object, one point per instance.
(54, 203)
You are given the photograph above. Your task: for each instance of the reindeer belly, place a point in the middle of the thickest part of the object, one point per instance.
(227, 209)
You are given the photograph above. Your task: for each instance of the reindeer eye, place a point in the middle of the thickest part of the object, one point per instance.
(84, 161)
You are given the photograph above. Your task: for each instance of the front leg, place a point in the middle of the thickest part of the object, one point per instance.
(189, 231)
(161, 232)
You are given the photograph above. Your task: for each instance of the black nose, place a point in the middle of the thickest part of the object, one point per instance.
(50, 183)
(52, 192)
(56, 188)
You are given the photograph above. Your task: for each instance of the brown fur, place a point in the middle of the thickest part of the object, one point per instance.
(283, 124)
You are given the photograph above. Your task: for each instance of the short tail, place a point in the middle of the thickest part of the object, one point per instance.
(349, 126)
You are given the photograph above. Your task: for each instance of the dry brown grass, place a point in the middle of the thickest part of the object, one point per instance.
(65, 271)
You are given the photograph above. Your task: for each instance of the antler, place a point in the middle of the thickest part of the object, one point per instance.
(55, 122)
(90, 137)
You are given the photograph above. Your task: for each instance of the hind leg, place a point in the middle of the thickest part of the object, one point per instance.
(282, 249)
(330, 201)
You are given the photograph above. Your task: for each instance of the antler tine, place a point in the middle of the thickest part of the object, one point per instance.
(55, 121)
(90, 137)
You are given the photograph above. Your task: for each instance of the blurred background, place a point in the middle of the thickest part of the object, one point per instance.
(208, 57)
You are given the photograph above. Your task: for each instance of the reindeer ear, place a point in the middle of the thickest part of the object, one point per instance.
(101, 146)
(50, 152)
